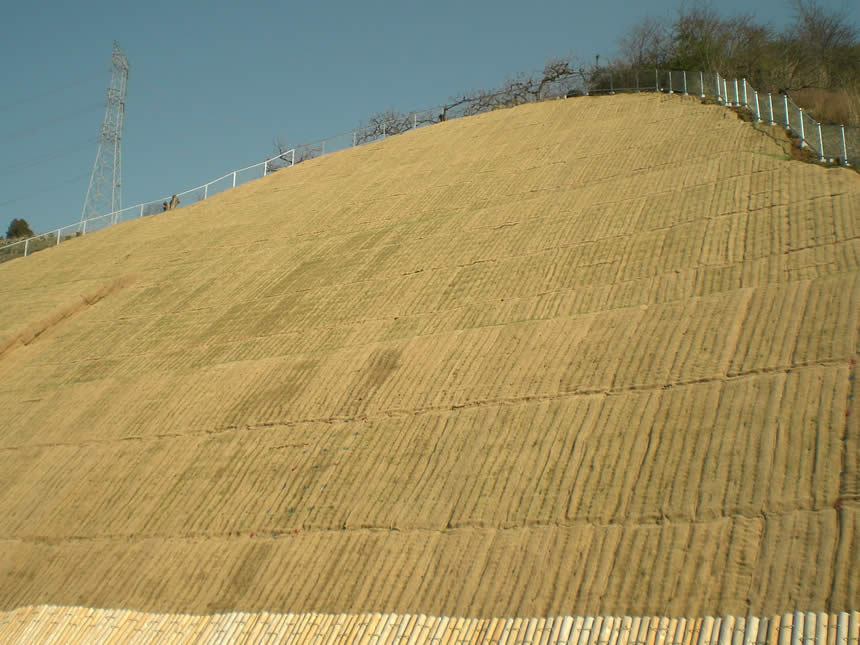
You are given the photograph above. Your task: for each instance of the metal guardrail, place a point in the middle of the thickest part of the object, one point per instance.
(831, 143)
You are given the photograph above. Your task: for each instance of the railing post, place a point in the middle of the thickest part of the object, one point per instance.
(383, 129)
(844, 148)
(802, 131)
(770, 106)
(701, 86)
(656, 80)
(611, 82)
(726, 93)
(636, 82)
(141, 211)
(820, 144)
(59, 230)
(414, 120)
(670, 82)
(353, 139)
(684, 73)
(719, 93)
(785, 111)
(737, 96)
(84, 228)
(265, 169)
(293, 158)
(26, 246)
(744, 84)
(234, 179)
(206, 187)
(757, 107)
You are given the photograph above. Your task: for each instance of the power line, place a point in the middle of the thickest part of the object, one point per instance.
(20, 134)
(54, 90)
(44, 189)
(36, 161)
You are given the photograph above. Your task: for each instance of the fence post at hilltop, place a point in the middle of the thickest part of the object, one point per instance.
(770, 106)
(785, 111)
(26, 246)
(206, 187)
(844, 147)
(719, 93)
(757, 107)
(726, 92)
(802, 131)
(414, 120)
(737, 96)
(656, 80)
(670, 82)
(820, 144)
(59, 230)
(744, 84)
(701, 86)
(84, 228)
(383, 129)
(141, 211)
(234, 179)
(684, 73)
(293, 158)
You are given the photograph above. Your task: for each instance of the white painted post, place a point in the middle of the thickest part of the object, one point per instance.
(737, 96)
(802, 132)
(785, 111)
(726, 93)
(770, 106)
(685, 82)
(84, 228)
(141, 211)
(844, 148)
(206, 187)
(719, 93)
(293, 157)
(234, 179)
(265, 169)
(26, 246)
(701, 86)
(744, 84)
(383, 129)
(414, 120)
(820, 145)
(59, 230)
(656, 80)
(670, 82)
(757, 108)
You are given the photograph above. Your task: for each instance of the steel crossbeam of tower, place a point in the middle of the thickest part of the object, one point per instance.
(104, 194)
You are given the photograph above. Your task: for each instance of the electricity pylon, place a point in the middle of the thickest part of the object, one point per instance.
(104, 194)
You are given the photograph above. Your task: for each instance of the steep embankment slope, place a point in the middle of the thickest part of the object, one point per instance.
(586, 356)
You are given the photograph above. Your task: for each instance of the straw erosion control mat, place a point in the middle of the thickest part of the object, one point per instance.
(585, 356)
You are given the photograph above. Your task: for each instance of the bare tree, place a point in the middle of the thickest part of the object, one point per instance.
(647, 44)
(823, 45)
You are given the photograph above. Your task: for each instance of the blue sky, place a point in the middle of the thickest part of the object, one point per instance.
(213, 84)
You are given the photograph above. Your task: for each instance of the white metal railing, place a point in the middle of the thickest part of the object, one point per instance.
(829, 142)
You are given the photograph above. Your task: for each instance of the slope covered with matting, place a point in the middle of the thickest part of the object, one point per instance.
(592, 356)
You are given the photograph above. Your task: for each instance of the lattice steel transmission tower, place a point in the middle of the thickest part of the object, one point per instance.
(104, 194)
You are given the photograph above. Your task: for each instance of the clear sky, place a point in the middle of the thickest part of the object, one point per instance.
(213, 84)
